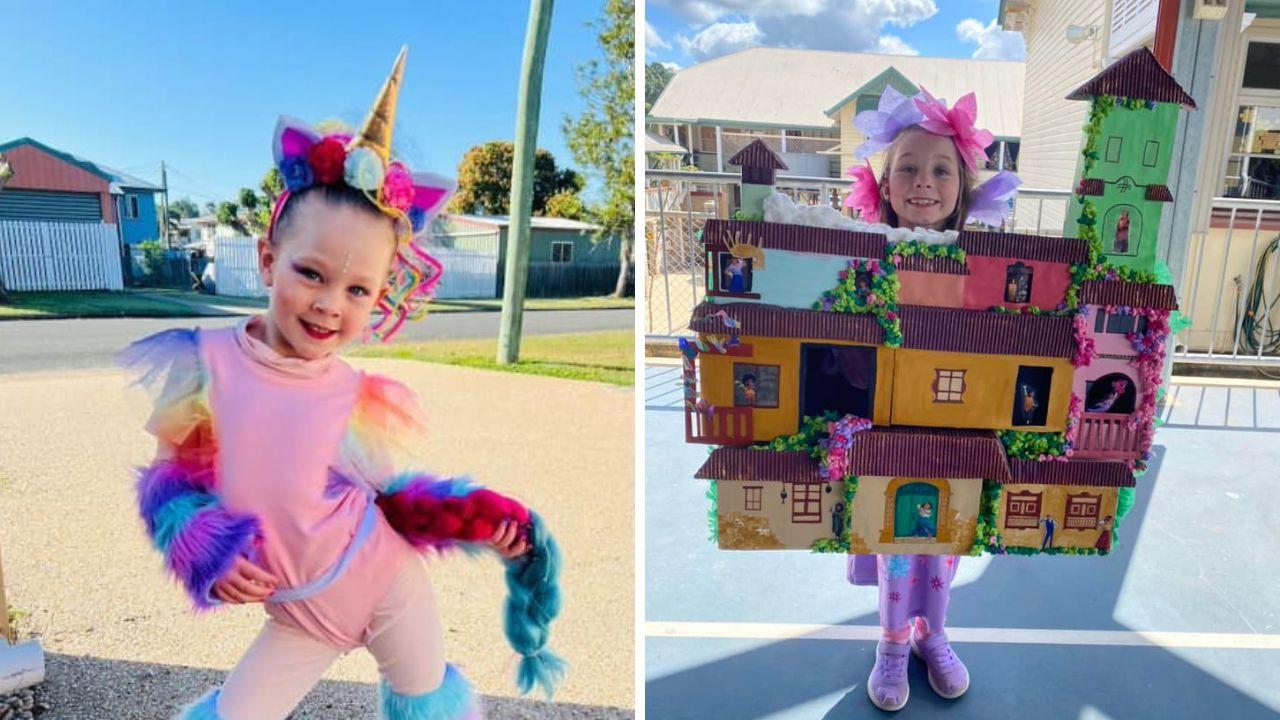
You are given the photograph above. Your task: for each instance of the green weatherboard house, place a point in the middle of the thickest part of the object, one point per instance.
(1125, 161)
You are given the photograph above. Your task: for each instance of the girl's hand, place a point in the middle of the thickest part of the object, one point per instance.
(245, 583)
(507, 541)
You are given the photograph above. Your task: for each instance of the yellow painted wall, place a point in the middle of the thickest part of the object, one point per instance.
(770, 527)
(989, 390)
(1053, 503)
(717, 382)
(871, 504)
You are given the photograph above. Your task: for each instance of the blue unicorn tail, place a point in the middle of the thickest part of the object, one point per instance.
(533, 601)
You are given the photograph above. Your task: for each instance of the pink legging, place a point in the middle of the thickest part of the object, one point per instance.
(284, 663)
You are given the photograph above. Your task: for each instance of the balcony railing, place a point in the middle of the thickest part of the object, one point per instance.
(719, 425)
(1107, 436)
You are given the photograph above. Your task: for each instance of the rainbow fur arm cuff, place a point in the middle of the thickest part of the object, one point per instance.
(199, 538)
(435, 513)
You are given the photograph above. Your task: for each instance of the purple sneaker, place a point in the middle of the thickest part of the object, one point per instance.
(947, 675)
(887, 687)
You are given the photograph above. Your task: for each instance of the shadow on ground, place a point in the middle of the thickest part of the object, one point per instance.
(89, 688)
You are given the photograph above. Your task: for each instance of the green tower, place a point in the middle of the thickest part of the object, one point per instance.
(759, 165)
(1124, 166)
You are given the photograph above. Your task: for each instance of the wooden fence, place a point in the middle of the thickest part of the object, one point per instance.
(59, 256)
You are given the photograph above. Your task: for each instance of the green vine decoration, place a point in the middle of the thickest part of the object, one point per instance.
(812, 429)
(1052, 551)
(749, 217)
(894, 252)
(713, 513)
(1025, 445)
(986, 534)
(841, 544)
(1031, 310)
(868, 286)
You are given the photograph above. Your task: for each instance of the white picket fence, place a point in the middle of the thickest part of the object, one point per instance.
(59, 256)
(469, 272)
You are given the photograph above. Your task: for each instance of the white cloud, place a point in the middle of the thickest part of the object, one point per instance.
(673, 67)
(652, 40)
(993, 42)
(894, 45)
(719, 39)
(814, 24)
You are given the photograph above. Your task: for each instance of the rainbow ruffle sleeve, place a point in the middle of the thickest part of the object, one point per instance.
(177, 493)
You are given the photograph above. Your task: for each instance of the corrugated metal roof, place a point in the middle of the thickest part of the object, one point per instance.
(1159, 193)
(772, 321)
(119, 181)
(1131, 294)
(1015, 246)
(794, 88)
(981, 331)
(1137, 75)
(1093, 473)
(654, 143)
(796, 238)
(748, 465)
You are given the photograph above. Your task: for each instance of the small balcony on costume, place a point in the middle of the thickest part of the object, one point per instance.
(712, 425)
(1108, 436)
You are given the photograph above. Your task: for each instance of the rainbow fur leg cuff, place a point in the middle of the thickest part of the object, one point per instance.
(453, 700)
(206, 708)
(200, 539)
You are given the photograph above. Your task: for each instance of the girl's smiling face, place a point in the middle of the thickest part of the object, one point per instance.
(924, 179)
(326, 271)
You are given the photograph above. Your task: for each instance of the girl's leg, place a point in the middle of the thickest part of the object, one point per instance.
(948, 676)
(406, 638)
(277, 671)
(887, 686)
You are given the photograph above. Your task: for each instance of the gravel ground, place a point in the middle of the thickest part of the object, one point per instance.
(120, 641)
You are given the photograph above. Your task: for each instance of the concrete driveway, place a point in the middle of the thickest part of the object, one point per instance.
(119, 637)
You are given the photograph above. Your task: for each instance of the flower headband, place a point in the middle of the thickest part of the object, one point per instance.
(328, 156)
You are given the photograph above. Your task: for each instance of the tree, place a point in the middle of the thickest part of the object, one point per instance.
(229, 214)
(602, 138)
(210, 209)
(656, 77)
(182, 209)
(484, 180)
(565, 204)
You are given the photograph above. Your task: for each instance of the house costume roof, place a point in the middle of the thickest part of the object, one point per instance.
(795, 238)
(980, 331)
(772, 321)
(779, 87)
(1137, 75)
(1094, 473)
(883, 451)
(1159, 193)
(1016, 246)
(1131, 294)
(757, 154)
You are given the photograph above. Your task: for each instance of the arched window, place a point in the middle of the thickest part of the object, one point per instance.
(915, 511)
(1111, 393)
(1017, 283)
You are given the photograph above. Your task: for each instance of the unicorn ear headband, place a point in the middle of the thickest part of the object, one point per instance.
(897, 112)
(323, 155)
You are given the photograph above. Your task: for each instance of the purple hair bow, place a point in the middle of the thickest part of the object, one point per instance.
(990, 201)
(895, 113)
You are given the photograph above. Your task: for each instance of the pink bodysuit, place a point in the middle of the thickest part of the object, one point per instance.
(279, 424)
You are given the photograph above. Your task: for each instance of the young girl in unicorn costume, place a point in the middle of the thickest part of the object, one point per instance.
(932, 156)
(276, 476)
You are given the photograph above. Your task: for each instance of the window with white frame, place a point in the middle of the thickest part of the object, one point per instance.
(131, 206)
(561, 251)
(1002, 155)
(1253, 160)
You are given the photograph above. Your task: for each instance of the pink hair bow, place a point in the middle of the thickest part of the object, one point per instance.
(864, 193)
(971, 143)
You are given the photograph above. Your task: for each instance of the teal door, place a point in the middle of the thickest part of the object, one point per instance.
(908, 520)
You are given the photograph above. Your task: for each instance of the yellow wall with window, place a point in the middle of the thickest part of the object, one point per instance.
(717, 382)
(987, 400)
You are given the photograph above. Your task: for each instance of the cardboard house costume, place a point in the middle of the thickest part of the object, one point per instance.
(889, 391)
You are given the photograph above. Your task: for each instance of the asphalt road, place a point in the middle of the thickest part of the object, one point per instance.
(51, 345)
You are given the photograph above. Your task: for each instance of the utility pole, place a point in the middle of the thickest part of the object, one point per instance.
(164, 207)
(521, 204)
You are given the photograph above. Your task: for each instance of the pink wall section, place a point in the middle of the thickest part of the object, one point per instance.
(932, 289)
(1105, 344)
(986, 283)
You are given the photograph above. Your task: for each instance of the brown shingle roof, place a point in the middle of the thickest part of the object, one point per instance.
(773, 321)
(758, 154)
(1045, 248)
(928, 452)
(1136, 75)
(796, 238)
(1094, 473)
(980, 331)
(1132, 294)
(1159, 193)
(747, 465)
(892, 451)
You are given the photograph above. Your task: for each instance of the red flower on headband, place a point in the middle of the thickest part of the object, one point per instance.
(326, 158)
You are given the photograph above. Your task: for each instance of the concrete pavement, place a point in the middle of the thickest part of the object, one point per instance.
(78, 344)
(119, 634)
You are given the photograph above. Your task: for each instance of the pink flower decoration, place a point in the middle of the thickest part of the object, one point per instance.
(957, 123)
(864, 193)
(397, 187)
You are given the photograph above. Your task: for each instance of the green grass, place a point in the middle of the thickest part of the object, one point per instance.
(606, 357)
(36, 305)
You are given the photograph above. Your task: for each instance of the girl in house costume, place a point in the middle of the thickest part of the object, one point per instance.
(276, 478)
(932, 155)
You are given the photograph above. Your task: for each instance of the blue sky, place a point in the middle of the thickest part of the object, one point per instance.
(200, 86)
(685, 32)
